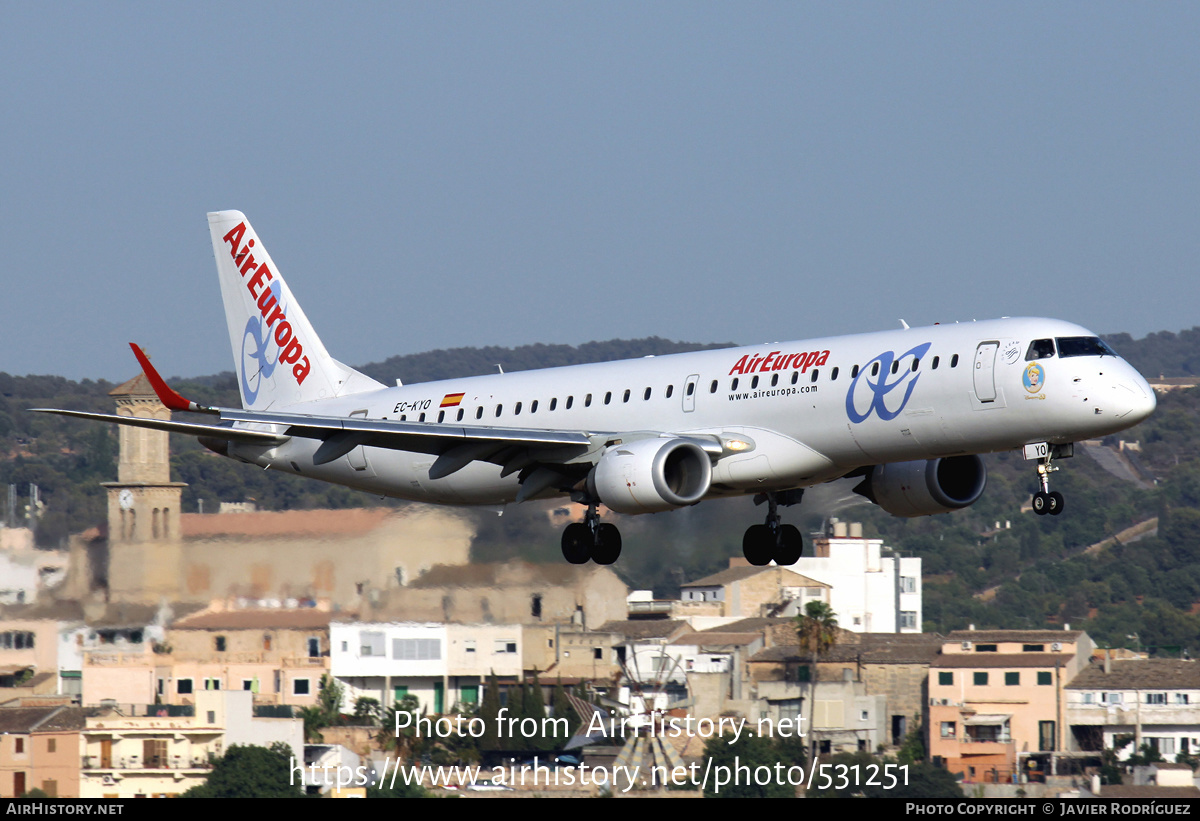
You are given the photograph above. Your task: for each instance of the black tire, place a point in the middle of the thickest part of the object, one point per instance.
(758, 545)
(577, 543)
(790, 547)
(607, 548)
(1041, 501)
(1056, 503)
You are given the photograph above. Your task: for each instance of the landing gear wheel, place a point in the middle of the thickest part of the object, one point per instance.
(607, 547)
(758, 545)
(790, 545)
(1041, 503)
(577, 543)
(1056, 503)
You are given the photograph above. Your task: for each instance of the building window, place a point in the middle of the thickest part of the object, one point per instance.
(18, 745)
(945, 679)
(1156, 698)
(300, 687)
(1033, 648)
(981, 679)
(908, 620)
(219, 641)
(371, 643)
(1044, 679)
(598, 653)
(183, 686)
(1181, 698)
(417, 649)
(51, 745)
(469, 646)
(949, 729)
(535, 606)
(908, 584)
(985, 648)
(1012, 679)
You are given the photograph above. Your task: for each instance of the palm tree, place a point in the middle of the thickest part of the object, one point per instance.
(817, 628)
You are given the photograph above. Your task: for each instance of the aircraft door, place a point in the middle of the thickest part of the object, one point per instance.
(985, 371)
(689, 393)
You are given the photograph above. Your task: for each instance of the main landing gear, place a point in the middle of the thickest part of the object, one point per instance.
(1047, 501)
(591, 539)
(773, 540)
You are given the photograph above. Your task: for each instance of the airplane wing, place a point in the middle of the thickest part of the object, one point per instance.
(456, 446)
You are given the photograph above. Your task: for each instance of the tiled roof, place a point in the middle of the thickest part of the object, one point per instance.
(711, 638)
(1140, 674)
(644, 629)
(736, 574)
(264, 619)
(1024, 636)
(23, 719)
(280, 524)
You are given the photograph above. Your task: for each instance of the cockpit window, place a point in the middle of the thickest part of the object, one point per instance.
(1040, 349)
(1083, 346)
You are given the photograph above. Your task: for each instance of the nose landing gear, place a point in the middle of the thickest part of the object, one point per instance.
(1047, 501)
(773, 540)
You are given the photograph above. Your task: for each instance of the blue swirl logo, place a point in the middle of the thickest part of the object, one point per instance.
(880, 382)
(257, 347)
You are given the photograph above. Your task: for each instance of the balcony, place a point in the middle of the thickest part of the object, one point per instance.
(128, 763)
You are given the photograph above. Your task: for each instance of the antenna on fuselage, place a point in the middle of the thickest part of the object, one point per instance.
(499, 367)
(903, 324)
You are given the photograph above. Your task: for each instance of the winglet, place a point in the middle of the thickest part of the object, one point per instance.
(168, 397)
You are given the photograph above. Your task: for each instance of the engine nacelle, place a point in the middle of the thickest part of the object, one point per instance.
(650, 475)
(926, 487)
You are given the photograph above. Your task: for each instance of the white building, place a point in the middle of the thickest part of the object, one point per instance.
(1150, 701)
(441, 664)
(871, 592)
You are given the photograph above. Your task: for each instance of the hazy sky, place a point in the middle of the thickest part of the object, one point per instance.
(432, 175)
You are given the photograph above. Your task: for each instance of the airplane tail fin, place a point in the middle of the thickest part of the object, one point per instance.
(279, 357)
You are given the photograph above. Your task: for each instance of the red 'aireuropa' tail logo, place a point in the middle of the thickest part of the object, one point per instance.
(291, 349)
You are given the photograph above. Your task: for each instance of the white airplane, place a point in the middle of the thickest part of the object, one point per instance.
(908, 411)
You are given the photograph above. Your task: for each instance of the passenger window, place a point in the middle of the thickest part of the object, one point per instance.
(954, 361)
(646, 395)
(936, 359)
(607, 397)
(554, 403)
(517, 410)
(479, 412)
(570, 402)
(814, 375)
(422, 419)
(795, 377)
(441, 416)
(916, 364)
(499, 409)
(713, 388)
(533, 406)
(1040, 349)
(587, 401)
(626, 396)
(833, 375)
(854, 372)
(403, 417)
(671, 390)
(733, 385)
(754, 383)
(774, 379)
(461, 411)
(875, 369)
(895, 365)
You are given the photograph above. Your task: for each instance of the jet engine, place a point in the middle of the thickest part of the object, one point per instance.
(925, 487)
(651, 475)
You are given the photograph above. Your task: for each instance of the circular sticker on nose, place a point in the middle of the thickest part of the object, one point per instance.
(1034, 377)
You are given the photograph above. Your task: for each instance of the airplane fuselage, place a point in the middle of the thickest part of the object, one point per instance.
(813, 409)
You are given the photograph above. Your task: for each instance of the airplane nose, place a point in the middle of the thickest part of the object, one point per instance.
(1133, 399)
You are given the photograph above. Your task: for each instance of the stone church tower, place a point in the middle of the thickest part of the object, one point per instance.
(143, 504)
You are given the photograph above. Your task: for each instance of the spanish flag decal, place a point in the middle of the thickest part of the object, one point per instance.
(452, 400)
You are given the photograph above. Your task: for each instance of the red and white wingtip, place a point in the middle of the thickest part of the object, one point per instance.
(168, 397)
